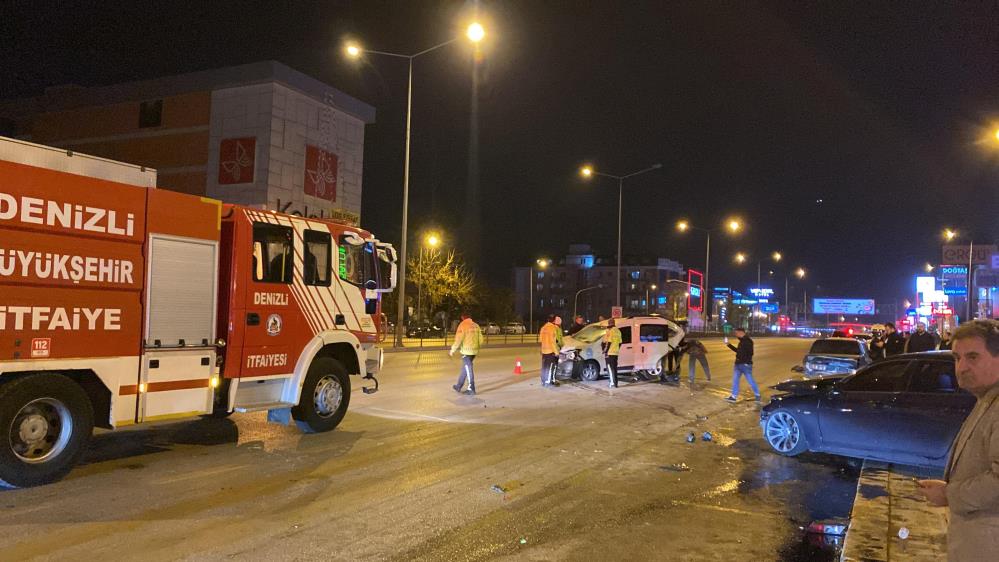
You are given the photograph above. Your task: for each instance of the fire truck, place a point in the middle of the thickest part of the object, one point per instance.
(123, 304)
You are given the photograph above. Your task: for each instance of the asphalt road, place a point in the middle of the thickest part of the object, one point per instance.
(588, 473)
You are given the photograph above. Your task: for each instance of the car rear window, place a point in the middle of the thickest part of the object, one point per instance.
(835, 347)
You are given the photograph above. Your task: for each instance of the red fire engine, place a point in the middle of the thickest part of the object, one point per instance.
(122, 304)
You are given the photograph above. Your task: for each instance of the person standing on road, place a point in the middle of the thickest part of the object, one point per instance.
(970, 488)
(577, 325)
(894, 341)
(743, 365)
(550, 336)
(920, 340)
(612, 346)
(876, 349)
(946, 343)
(699, 353)
(467, 340)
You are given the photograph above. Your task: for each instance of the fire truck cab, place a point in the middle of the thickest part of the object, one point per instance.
(121, 304)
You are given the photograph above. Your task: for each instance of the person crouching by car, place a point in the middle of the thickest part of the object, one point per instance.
(697, 352)
(577, 324)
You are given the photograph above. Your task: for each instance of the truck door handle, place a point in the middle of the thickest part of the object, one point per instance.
(252, 319)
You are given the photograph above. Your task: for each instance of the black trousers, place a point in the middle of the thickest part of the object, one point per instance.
(612, 368)
(548, 363)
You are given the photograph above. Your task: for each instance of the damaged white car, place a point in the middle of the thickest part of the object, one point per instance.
(645, 343)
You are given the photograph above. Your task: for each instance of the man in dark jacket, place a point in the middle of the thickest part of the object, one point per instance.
(894, 342)
(577, 325)
(920, 340)
(743, 365)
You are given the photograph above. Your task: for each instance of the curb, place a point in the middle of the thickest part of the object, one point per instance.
(887, 500)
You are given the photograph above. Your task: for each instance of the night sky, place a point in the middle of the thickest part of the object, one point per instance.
(758, 110)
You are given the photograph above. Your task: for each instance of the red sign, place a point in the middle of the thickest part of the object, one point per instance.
(236, 160)
(320, 173)
(695, 290)
(40, 347)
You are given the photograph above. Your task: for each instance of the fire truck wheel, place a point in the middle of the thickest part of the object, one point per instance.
(48, 420)
(325, 396)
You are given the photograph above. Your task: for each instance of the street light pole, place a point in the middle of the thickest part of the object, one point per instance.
(586, 172)
(575, 299)
(475, 33)
(620, 208)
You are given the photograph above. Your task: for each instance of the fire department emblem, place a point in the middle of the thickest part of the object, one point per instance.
(320, 173)
(274, 324)
(236, 159)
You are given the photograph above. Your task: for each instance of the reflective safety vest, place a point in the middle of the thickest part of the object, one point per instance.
(613, 338)
(551, 338)
(467, 338)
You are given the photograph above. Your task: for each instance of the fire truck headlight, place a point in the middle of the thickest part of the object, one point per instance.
(142, 387)
(220, 342)
(214, 382)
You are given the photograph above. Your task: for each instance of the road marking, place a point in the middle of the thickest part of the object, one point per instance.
(404, 414)
(198, 474)
(718, 508)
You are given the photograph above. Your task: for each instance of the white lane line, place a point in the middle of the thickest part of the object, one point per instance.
(198, 474)
(406, 414)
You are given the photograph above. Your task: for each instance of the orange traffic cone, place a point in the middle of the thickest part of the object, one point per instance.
(518, 369)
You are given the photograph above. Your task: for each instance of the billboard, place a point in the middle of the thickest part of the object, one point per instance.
(955, 279)
(959, 254)
(843, 306)
(695, 284)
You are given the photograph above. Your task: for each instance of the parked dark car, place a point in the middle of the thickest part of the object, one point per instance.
(424, 330)
(905, 410)
(834, 356)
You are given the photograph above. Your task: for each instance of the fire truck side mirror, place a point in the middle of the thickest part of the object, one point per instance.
(371, 284)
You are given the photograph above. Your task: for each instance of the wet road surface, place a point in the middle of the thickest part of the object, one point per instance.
(417, 472)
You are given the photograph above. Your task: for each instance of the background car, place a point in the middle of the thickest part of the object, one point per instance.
(424, 329)
(514, 328)
(904, 410)
(834, 356)
(491, 329)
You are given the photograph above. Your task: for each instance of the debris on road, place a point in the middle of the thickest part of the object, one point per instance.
(690, 437)
(679, 467)
(498, 489)
(706, 436)
(523, 540)
(903, 533)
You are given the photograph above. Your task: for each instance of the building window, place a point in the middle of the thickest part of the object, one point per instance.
(541, 275)
(635, 274)
(150, 114)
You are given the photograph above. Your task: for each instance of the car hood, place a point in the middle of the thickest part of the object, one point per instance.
(808, 386)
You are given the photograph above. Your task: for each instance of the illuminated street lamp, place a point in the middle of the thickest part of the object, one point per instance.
(740, 258)
(588, 172)
(431, 241)
(949, 235)
(929, 267)
(542, 263)
(653, 287)
(732, 225)
(475, 33)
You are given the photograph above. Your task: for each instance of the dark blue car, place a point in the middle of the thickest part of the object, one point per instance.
(904, 410)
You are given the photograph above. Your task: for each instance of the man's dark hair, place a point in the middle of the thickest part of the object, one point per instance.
(986, 330)
(743, 330)
(890, 325)
(466, 314)
(551, 317)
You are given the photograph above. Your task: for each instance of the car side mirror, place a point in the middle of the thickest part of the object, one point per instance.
(798, 369)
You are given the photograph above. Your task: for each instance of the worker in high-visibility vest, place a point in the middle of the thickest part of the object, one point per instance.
(551, 342)
(611, 344)
(467, 340)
